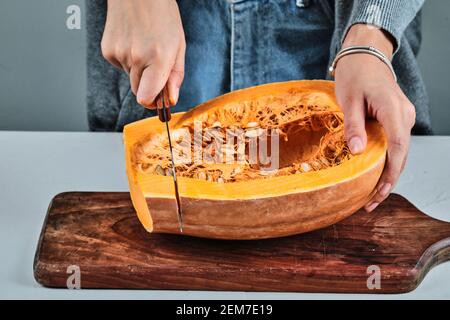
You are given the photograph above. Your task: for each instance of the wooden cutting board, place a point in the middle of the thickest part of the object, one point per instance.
(100, 234)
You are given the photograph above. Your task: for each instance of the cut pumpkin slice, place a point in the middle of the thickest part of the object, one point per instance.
(224, 195)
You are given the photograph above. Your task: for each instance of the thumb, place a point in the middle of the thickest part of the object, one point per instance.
(152, 82)
(176, 77)
(355, 126)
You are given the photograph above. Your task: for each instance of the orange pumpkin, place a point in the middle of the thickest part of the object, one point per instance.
(317, 183)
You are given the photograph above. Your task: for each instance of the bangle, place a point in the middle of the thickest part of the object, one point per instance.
(365, 50)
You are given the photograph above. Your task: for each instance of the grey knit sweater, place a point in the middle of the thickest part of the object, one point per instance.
(109, 88)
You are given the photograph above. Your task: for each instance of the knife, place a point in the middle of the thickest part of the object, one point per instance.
(164, 115)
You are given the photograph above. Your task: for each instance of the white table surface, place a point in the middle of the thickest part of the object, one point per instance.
(35, 166)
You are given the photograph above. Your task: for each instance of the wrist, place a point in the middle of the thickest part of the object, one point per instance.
(368, 35)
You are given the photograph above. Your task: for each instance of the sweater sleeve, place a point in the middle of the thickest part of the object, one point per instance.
(393, 16)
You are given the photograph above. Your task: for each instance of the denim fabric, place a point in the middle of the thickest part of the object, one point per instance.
(235, 44)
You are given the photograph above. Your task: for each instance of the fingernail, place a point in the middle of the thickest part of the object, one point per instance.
(372, 206)
(174, 96)
(356, 146)
(385, 189)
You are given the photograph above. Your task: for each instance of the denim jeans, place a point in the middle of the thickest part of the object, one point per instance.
(233, 44)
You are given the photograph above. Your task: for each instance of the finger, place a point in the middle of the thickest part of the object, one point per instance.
(398, 144)
(114, 62)
(108, 54)
(355, 125)
(151, 83)
(159, 102)
(118, 61)
(135, 78)
(122, 56)
(176, 76)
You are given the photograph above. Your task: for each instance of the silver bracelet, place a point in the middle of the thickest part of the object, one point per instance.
(365, 50)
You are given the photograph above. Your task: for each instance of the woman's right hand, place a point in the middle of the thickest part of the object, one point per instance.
(145, 38)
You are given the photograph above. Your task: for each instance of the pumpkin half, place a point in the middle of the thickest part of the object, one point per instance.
(317, 181)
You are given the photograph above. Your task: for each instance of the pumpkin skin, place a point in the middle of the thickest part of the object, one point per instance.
(260, 208)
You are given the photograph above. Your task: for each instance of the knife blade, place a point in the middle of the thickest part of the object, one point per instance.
(164, 115)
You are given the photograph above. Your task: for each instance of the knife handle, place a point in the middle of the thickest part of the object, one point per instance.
(161, 115)
(163, 106)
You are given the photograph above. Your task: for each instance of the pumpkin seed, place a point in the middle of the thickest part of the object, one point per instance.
(305, 167)
(236, 171)
(159, 170)
(169, 172)
(220, 180)
(217, 124)
(252, 125)
(201, 175)
(267, 172)
(253, 133)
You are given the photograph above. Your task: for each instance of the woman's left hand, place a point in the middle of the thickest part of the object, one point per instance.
(365, 87)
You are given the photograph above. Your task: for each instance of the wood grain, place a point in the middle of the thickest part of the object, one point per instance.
(99, 232)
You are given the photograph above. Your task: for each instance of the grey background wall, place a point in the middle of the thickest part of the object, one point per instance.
(42, 67)
(43, 74)
(435, 63)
